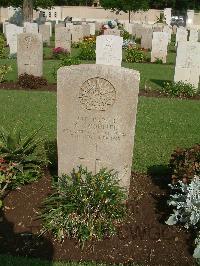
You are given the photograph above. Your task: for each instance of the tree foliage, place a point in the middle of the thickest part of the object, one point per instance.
(125, 5)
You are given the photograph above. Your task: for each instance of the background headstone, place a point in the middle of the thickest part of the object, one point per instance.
(181, 35)
(86, 30)
(188, 63)
(77, 33)
(97, 108)
(50, 24)
(44, 30)
(115, 32)
(11, 35)
(30, 54)
(159, 46)
(92, 28)
(194, 35)
(147, 35)
(109, 50)
(63, 38)
(30, 27)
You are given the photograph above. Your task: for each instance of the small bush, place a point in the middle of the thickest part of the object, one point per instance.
(85, 206)
(138, 40)
(185, 164)
(31, 82)
(179, 89)
(87, 51)
(60, 52)
(4, 70)
(126, 35)
(134, 55)
(186, 203)
(20, 163)
(2, 47)
(158, 61)
(66, 61)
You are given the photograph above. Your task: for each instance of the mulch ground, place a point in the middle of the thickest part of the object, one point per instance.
(53, 88)
(143, 239)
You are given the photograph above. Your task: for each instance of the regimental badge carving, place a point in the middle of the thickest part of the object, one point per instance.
(28, 41)
(97, 94)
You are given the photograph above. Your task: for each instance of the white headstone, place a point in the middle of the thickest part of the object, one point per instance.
(92, 28)
(11, 34)
(194, 35)
(31, 27)
(30, 54)
(44, 30)
(168, 15)
(190, 18)
(50, 24)
(77, 33)
(168, 30)
(159, 46)
(181, 35)
(115, 32)
(188, 63)
(109, 50)
(63, 38)
(97, 108)
(147, 35)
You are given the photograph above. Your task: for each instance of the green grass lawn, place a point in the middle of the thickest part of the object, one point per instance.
(152, 75)
(162, 124)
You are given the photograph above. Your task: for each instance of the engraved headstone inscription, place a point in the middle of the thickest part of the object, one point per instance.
(97, 108)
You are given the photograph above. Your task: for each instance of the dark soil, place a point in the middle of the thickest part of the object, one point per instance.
(53, 88)
(16, 86)
(144, 238)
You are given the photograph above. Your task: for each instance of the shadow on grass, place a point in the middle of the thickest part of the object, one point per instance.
(159, 82)
(24, 244)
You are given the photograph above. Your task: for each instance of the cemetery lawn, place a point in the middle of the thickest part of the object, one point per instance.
(163, 124)
(152, 75)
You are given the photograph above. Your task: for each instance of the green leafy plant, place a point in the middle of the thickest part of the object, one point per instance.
(179, 89)
(85, 206)
(158, 61)
(20, 163)
(134, 55)
(185, 164)
(186, 203)
(126, 35)
(4, 70)
(2, 47)
(31, 82)
(87, 51)
(66, 61)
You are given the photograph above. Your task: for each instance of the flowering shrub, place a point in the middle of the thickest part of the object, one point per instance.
(125, 34)
(85, 206)
(2, 47)
(87, 51)
(186, 203)
(179, 89)
(4, 70)
(60, 52)
(135, 55)
(31, 82)
(129, 44)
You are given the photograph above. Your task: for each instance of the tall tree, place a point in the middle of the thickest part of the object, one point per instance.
(175, 4)
(28, 10)
(125, 5)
